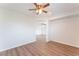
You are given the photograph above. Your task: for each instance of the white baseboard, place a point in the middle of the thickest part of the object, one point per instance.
(17, 45)
(66, 43)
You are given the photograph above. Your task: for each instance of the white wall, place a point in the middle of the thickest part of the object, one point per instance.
(15, 29)
(65, 30)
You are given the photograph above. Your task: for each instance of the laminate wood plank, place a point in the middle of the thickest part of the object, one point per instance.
(68, 50)
(33, 50)
(57, 50)
(3, 53)
(13, 52)
(42, 49)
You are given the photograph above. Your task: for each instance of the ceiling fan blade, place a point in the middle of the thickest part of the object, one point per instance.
(32, 9)
(44, 11)
(46, 5)
(35, 4)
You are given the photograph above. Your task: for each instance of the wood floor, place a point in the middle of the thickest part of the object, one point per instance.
(42, 49)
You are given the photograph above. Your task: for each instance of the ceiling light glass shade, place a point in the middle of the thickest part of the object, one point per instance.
(39, 11)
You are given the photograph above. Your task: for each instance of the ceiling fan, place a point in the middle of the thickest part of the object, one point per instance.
(40, 8)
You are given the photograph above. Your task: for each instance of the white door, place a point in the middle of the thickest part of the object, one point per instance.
(41, 33)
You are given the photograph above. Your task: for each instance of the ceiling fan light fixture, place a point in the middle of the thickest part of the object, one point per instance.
(39, 8)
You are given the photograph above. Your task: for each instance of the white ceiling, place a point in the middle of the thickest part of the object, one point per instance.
(54, 10)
